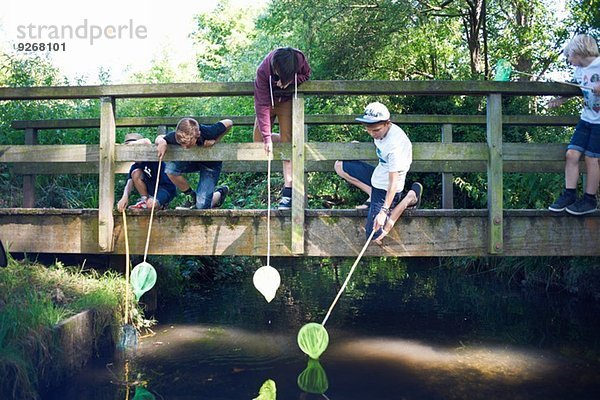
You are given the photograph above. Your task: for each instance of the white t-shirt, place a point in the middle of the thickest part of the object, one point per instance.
(395, 155)
(589, 77)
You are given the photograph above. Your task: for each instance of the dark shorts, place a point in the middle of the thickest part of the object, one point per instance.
(362, 171)
(164, 196)
(586, 139)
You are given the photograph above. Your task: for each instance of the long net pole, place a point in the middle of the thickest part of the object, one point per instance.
(153, 206)
(348, 277)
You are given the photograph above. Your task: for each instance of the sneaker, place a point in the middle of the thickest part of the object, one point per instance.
(565, 200)
(418, 189)
(224, 190)
(581, 207)
(190, 202)
(140, 205)
(285, 203)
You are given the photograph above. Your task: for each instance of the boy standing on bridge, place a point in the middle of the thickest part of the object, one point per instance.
(582, 53)
(385, 183)
(187, 135)
(279, 69)
(142, 177)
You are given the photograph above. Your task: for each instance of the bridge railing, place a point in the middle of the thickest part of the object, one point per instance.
(108, 158)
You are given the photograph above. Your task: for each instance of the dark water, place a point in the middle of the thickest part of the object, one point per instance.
(398, 332)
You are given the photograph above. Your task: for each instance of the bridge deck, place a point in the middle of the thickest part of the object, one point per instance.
(327, 233)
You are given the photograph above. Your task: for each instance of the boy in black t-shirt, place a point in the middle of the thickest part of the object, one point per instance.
(142, 177)
(188, 134)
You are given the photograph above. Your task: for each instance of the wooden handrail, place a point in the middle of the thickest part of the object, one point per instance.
(319, 88)
(314, 119)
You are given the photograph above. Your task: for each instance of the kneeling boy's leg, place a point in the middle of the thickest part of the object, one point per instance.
(357, 173)
(209, 176)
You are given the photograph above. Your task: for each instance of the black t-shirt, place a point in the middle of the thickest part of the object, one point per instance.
(207, 132)
(150, 170)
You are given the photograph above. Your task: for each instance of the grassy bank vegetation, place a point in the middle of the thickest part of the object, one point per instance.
(33, 299)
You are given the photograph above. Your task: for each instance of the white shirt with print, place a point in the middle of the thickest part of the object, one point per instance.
(589, 77)
(395, 155)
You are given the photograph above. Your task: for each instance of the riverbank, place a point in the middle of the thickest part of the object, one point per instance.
(36, 303)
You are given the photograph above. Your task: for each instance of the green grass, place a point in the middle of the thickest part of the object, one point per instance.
(33, 299)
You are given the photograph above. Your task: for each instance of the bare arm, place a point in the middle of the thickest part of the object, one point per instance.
(557, 101)
(161, 146)
(125, 198)
(381, 217)
(228, 124)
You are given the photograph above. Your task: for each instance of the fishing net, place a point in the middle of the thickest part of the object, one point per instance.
(313, 379)
(143, 278)
(143, 394)
(266, 280)
(313, 339)
(502, 71)
(268, 391)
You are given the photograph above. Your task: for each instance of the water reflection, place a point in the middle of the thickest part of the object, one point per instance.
(313, 379)
(397, 333)
(268, 391)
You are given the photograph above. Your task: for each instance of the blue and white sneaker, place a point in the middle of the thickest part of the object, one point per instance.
(581, 207)
(565, 200)
(285, 203)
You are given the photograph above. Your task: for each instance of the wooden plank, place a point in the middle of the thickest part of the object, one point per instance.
(31, 138)
(428, 157)
(328, 233)
(298, 191)
(323, 88)
(106, 195)
(482, 88)
(49, 153)
(314, 119)
(494, 173)
(198, 89)
(447, 177)
(312, 166)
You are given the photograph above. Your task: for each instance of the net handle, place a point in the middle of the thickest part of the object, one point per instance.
(269, 208)
(348, 278)
(127, 266)
(153, 206)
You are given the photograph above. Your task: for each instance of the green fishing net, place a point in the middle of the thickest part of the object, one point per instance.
(268, 391)
(503, 70)
(142, 394)
(313, 379)
(143, 278)
(313, 339)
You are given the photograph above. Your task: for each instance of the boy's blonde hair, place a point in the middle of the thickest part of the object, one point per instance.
(582, 45)
(187, 132)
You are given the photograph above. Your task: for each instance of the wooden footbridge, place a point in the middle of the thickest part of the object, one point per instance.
(432, 232)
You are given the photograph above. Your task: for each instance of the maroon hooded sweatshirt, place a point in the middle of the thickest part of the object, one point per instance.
(264, 85)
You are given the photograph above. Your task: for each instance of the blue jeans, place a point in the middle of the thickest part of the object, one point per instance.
(209, 176)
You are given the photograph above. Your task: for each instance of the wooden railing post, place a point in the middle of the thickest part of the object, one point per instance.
(494, 173)
(447, 177)
(106, 170)
(29, 180)
(298, 198)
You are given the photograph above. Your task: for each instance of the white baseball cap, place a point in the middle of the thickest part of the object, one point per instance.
(375, 112)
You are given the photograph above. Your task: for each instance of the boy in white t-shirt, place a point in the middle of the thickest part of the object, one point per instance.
(582, 52)
(385, 183)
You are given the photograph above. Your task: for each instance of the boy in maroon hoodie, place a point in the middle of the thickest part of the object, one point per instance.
(279, 69)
